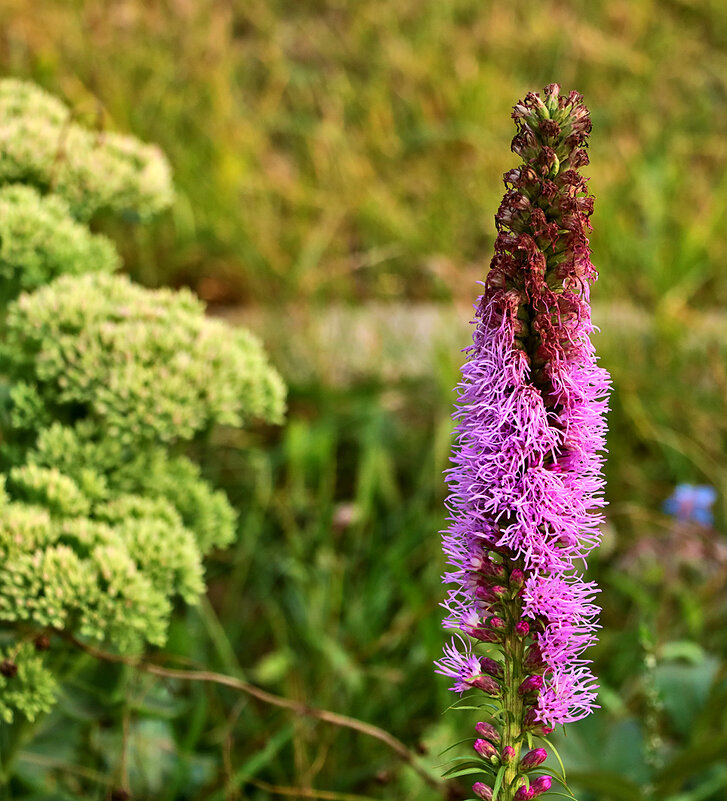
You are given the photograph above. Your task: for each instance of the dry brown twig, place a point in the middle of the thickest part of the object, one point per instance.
(210, 677)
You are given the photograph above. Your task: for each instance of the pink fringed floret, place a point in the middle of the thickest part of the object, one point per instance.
(531, 481)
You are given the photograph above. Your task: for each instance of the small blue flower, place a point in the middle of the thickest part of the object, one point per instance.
(692, 503)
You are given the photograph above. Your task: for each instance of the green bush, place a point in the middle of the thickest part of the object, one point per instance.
(105, 520)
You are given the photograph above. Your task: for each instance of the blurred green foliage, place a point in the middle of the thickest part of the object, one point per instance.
(331, 150)
(334, 149)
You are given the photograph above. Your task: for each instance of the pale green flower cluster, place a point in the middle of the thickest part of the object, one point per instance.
(105, 468)
(97, 577)
(103, 522)
(132, 363)
(31, 691)
(40, 240)
(41, 145)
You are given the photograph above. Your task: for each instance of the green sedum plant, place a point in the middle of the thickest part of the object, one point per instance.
(41, 145)
(132, 363)
(104, 520)
(40, 240)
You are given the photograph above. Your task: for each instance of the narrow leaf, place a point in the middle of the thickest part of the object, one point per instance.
(498, 782)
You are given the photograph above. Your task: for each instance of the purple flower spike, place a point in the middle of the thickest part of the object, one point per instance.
(526, 483)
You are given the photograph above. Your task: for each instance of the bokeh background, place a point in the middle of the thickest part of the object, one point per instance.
(338, 164)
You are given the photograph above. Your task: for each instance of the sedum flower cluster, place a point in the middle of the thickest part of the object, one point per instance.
(41, 145)
(40, 240)
(104, 521)
(133, 364)
(526, 482)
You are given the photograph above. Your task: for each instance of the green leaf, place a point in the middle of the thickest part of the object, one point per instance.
(498, 782)
(471, 763)
(682, 649)
(561, 780)
(462, 772)
(454, 745)
(454, 704)
(684, 690)
(557, 756)
(459, 759)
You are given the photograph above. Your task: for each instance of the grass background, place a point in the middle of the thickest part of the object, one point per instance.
(338, 164)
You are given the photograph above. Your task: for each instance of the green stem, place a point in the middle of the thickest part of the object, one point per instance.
(513, 649)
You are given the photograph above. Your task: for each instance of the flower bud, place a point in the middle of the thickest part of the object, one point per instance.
(579, 158)
(541, 785)
(485, 635)
(517, 578)
(522, 628)
(491, 667)
(534, 662)
(491, 594)
(492, 569)
(488, 731)
(551, 93)
(8, 668)
(531, 684)
(524, 144)
(482, 791)
(507, 755)
(533, 759)
(486, 684)
(549, 129)
(524, 794)
(485, 749)
(496, 623)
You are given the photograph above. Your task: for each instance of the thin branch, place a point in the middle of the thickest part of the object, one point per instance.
(334, 718)
(58, 764)
(307, 792)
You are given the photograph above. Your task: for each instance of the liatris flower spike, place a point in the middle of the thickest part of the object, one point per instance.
(526, 483)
